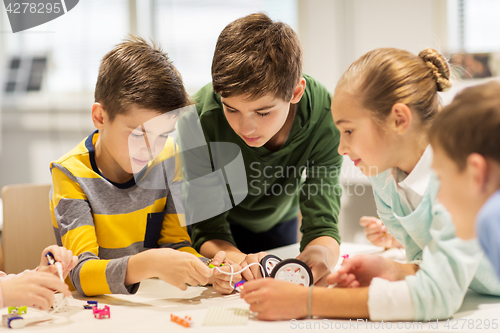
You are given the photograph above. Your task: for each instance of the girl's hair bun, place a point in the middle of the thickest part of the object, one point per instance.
(438, 66)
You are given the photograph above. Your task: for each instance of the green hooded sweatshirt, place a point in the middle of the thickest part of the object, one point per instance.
(303, 173)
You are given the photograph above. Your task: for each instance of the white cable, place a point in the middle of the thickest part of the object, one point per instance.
(59, 270)
(241, 270)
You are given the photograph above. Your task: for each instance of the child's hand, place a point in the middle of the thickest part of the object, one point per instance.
(359, 270)
(180, 268)
(32, 289)
(316, 257)
(377, 233)
(276, 300)
(62, 255)
(219, 280)
(253, 272)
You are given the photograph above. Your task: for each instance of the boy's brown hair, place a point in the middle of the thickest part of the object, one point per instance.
(256, 56)
(470, 124)
(138, 74)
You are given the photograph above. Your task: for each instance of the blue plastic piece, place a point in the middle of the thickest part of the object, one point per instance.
(9, 320)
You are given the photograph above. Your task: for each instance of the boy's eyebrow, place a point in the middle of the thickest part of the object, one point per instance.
(229, 106)
(259, 109)
(166, 132)
(265, 108)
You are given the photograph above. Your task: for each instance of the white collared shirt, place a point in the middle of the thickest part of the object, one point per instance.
(411, 187)
(392, 300)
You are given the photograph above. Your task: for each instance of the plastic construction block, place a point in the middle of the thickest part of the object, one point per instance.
(227, 315)
(13, 321)
(103, 313)
(90, 305)
(345, 256)
(186, 321)
(17, 309)
(238, 286)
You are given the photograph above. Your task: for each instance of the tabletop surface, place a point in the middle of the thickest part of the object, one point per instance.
(150, 309)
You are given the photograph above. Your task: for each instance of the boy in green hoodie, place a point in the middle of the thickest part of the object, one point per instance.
(281, 120)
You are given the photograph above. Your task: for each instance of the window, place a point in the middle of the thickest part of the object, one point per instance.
(74, 43)
(188, 30)
(474, 25)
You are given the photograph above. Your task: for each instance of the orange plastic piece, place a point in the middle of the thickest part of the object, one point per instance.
(186, 321)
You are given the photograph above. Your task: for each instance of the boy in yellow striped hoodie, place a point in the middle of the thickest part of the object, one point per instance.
(123, 232)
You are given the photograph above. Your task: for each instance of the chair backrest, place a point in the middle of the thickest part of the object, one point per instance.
(27, 226)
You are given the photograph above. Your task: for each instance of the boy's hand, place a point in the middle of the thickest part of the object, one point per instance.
(359, 270)
(377, 233)
(179, 268)
(220, 281)
(253, 272)
(32, 289)
(62, 255)
(276, 300)
(316, 257)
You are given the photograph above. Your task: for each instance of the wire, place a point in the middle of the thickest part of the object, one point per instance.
(241, 270)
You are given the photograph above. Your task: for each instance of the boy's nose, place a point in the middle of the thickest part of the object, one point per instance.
(247, 127)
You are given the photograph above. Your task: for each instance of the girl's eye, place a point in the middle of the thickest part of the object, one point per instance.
(164, 136)
(136, 135)
(263, 114)
(231, 111)
(348, 131)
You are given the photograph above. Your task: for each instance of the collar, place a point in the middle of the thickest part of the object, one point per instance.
(418, 179)
(89, 144)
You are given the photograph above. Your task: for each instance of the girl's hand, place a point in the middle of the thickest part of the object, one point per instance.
(62, 255)
(359, 271)
(32, 289)
(377, 233)
(276, 300)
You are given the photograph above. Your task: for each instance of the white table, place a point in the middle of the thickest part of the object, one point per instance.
(150, 308)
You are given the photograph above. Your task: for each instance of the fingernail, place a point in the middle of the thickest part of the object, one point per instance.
(215, 263)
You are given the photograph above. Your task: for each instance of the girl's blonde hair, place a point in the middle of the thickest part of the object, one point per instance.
(386, 76)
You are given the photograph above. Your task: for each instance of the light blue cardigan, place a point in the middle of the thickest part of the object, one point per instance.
(449, 265)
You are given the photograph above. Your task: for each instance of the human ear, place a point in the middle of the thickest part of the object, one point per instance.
(400, 118)
(98, 115)
(298, 91)
(477, 170)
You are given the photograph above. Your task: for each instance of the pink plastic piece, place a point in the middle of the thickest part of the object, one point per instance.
(101, 313)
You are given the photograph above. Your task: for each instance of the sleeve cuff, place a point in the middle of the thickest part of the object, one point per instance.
(200, 241)
(116, 270)
(132, 289)
(203, 259)
(389, 300)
